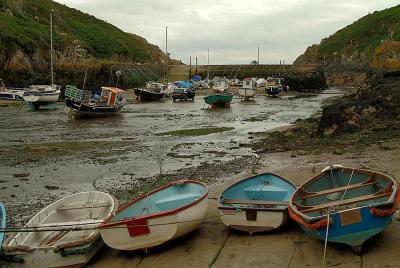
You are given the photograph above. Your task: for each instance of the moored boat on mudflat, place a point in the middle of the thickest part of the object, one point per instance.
(63, 234)
(273, 86)
(38, 95)
(219, 99)
(345, 205)
(248, 89)
(256, 204)
(157, 217)
(13, 94)
(152, 92)
(109, 102)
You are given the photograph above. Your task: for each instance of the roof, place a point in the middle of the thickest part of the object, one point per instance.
(114, 89)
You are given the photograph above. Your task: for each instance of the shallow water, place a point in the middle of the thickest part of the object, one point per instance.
(70, 155)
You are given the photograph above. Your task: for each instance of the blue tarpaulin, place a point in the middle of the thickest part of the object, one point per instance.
(196, 78)
(184, 84)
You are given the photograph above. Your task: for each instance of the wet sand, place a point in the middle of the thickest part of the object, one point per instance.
(49, 156)
(214, 245)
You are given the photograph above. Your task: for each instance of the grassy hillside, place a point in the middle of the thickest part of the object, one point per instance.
(364, 35)
(24, 24)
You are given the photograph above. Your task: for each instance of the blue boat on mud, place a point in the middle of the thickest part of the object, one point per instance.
(345, 205)
(2, 222)
(256, 204)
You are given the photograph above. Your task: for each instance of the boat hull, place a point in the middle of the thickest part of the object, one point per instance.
(64, 248)
(256, 204)
(85, 111)
(265, 220)
(145, 95)
(157, 217)
(11, 95)
(42, 98)
(354, 234)
(273, 91)
(219, 100)
(74, 257)
(345, 205)
(2, 222)
(161, 229)
(247, 93)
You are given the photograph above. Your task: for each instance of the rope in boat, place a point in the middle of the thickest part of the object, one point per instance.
(76, 227)
(326, 237)
(333, 208)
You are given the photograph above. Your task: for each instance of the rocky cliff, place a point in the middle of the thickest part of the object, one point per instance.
(371, 43)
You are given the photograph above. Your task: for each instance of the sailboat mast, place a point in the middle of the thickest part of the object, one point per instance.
(208, 65)
(166, 53)
(51, 47)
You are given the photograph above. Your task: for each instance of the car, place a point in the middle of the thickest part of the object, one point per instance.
(183, 94)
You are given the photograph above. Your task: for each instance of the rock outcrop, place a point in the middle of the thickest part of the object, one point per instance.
(375, 102)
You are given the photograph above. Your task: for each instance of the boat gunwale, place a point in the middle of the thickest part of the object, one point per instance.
(107, 223)
(27, 249)
(3, 222)
(225, 207)
(310, 219)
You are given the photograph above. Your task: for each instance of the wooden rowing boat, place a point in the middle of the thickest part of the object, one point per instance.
(256, 204)
(63, 234)
(157, 217)
(345, 205)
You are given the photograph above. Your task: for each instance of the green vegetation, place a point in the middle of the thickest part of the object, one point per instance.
(25, 25)
(364, 35)
(195, 132)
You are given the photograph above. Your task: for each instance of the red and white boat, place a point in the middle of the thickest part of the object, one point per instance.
(157, 217)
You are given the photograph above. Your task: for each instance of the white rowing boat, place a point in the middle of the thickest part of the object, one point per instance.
(63, 234)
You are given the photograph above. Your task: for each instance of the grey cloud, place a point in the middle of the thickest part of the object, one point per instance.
(231, 29)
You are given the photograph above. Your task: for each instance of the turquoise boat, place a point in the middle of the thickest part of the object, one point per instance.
(219, 100)
(256, 204)
(154, 218)
(2, 222)
(345, 205)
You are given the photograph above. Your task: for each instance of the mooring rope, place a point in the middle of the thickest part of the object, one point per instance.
(86, 226)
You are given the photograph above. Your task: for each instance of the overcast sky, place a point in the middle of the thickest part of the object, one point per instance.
(231, 29)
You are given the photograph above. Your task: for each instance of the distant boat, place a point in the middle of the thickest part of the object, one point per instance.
(256, 204)
(152, 92)
(42, 94)
(63, 234)
(3, 218)
(84, 104)
(14, 94)
(221, 86)
(273, 87)
(38, 95)
(248, 90)
(219, 100)
(349, 204)
(157, 217)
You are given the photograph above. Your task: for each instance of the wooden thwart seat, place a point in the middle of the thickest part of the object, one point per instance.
(256, 202)
(307, 209)
(69, 224)
(306, 194)
(82, 206)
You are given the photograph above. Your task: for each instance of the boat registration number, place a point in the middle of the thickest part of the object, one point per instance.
(350, 217)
